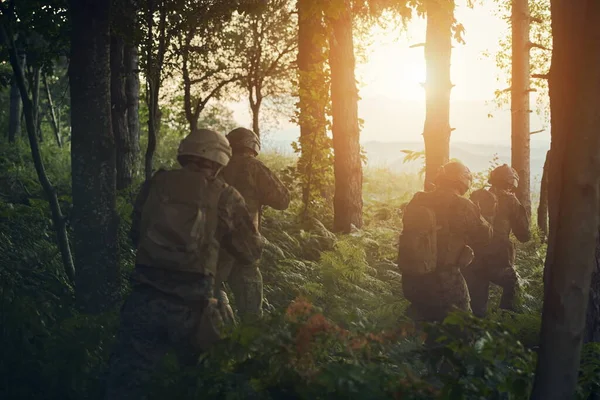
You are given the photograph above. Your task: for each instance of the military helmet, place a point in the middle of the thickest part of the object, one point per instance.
(242, 137)
(207, 144)
(455, 174)
(504, 175)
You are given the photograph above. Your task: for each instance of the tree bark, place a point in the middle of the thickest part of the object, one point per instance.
(313, 93)
(154, 65)
(58, 219)
(542, 214)
(519, 100)
(438, 51)
(93, 157)
(132, 92)
(120, 129)
(255, 108)
(592, 321)
(53, 120)
(347, 201)
(14, 119)
(35, 91)
(573, 189)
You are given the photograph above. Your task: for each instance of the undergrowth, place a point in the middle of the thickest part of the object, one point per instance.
(334, 326)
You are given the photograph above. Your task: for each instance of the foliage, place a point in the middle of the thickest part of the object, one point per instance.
(540, 34)
(266, 51)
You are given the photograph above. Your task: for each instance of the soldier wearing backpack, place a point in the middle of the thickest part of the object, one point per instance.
(495, 263)
(181, 219)
(260, 187)
(439, 227)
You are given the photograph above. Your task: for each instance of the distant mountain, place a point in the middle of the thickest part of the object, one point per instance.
(476, 156)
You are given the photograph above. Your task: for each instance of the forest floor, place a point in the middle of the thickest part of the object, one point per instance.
(334, 325)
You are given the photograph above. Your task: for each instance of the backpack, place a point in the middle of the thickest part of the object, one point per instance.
(179, 222)
(417, 252)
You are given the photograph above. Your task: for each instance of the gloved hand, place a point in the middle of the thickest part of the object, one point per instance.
(224, 308)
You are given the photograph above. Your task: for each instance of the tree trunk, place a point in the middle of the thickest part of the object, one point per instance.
(573, 190)
(347, 203)
(132, 92)
(93, 157)
(519, 100)
(36, 101)
(592, 321)
(255, 118)
(58, 220)
(542, 216)
(438, 51)
(313, 93)
(53, 120)
(154, 70)
(14, 119)
(124, 157)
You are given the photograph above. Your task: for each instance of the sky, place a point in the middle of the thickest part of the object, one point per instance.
(392, 101)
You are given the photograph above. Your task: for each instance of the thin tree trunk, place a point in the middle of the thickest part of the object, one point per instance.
(55, 127)
(14, 119)
(313, 92)
(573, 189)
(93, 157)
(438, 51)
(35, 92)
(347, 201)
(519, 100)
(119, 114)
(255, 108)
(154, 71)
(542, 213)
(132, 91)
(58, 219)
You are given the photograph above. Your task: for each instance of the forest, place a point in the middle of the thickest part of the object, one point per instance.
(95, 96)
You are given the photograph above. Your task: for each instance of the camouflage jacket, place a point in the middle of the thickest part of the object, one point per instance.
(511, 216)
(235, 232)
(462, 222)
(257, 184)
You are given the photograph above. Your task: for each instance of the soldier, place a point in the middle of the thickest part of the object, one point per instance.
(495, 262)
(181, 219)
(259, 187)
(438, 229)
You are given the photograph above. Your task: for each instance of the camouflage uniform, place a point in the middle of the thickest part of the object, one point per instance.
(495, 262)
(169, 308)
(433, 295)
(259, 187)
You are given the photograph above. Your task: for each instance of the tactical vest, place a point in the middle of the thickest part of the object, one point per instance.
(179, 222)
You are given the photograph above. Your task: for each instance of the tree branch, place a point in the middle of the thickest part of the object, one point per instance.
(531, 45)
(414, 46)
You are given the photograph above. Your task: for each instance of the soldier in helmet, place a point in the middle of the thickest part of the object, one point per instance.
(439, 227)
(181, 219)
(495, 262)
(259, 187)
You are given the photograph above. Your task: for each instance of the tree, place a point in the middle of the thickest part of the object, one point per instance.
(124, 90)
(438, 52)
(14, 122)
(519, 100)
(347, 201)
(205, 51)
(155, 46)
(266, 51)
(314, 146)
(93, 156)
(573, 194)
(7, 17)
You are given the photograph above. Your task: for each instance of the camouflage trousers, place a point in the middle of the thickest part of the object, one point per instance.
(246, 283)
(151, 324)
(433, 296)
(480, 274)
